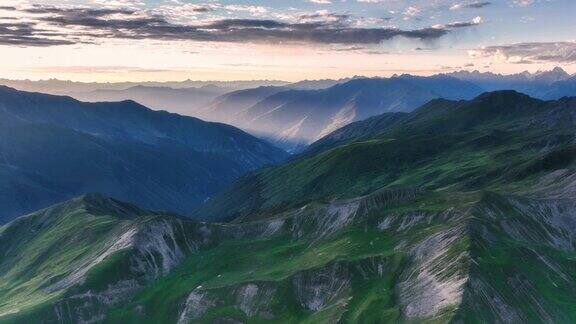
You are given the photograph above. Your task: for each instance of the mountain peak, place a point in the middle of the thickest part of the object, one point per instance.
(98, 204)
(4, 88)
(92, 199)
(506, 95)
(556, 74)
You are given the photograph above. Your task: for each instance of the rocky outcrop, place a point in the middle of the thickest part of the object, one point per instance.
(318, 289)
(195, 306)
(254, 299)
(434, 281)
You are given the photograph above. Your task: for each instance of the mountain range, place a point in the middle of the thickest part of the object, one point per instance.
(184, 101)
(54, 148)
(292, 119)
(547, 85)
(502, 141)
(293, 115)
(459, 211)
(65, 87)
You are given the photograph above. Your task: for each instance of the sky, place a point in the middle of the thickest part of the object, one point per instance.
(172, 40)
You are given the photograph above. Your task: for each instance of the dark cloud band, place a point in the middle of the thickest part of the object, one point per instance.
(26, 34)
(128, 24)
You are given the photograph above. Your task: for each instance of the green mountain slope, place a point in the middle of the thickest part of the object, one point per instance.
(459, 212)
(502, 141)
(84, 255)
(392, 256)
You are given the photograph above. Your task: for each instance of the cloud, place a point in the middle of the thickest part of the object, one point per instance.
(323, 27)
(189, 7)
(76, 12)
(255, 10)
(556, 52)
(459, 24)
(412, 11)
(325, 17)
(522, 3)
(26, 34)
(470, 5)
(120, 3)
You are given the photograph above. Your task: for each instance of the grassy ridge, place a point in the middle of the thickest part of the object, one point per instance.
(501, 141)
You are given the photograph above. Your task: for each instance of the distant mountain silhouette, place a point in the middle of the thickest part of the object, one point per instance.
(185, 101)
(294, 118)
(547, 85)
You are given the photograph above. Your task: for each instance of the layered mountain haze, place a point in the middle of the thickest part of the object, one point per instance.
(318, 84)
(293, 119)
(230, 106)
(55, 148)
(66, 87)
(184, 101)
(290, 116)
(293, 115)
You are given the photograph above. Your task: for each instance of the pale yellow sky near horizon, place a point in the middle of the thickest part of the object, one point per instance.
(173, 62)
(492, 37)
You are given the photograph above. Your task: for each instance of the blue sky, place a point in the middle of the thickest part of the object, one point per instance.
(111, 40)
